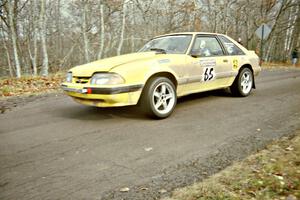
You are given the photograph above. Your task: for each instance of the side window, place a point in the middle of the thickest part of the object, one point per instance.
(230, 47)
(207, 46)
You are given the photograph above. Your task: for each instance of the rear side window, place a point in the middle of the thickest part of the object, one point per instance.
(230, 47)
(207, 46)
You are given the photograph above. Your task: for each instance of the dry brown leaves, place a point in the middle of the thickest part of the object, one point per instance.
(29, 85)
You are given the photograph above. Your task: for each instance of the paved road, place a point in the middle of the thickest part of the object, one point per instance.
(54, 148)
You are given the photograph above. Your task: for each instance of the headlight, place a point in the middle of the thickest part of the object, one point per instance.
(69, 77)
(107, 79)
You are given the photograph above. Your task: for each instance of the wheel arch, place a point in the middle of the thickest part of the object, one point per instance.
(168, 75)
(249, 67)
(165, 74)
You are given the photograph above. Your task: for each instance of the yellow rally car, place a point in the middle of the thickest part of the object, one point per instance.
(167, 67)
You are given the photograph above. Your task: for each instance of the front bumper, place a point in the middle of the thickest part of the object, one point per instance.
(75, 90)
(103, 96)
(106, 90)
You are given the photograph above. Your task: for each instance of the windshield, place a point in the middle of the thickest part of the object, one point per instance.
(175, 44)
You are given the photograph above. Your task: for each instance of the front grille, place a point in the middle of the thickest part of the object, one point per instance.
(81, 80)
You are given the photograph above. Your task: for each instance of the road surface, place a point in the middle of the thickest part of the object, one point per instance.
(54, 148)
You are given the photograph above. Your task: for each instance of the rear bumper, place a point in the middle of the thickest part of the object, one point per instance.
(104, 97)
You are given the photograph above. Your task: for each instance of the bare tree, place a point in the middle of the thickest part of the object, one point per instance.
(33, 55)
(12, 12)
(102, 34)
(85, 32)
(8, 58)
(43, 26)
(124, 12)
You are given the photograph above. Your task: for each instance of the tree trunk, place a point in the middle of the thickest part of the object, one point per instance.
(8, 57)
(11, 16)
(293, 29)
(288, 34)
(34, 60)
(100, 53)
(59, 28)
(133, 30)
(123, 28)
(33, 56)
(43, 21)
(269, 49)
(84, 33)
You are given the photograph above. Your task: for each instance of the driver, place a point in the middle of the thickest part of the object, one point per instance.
(204, 51)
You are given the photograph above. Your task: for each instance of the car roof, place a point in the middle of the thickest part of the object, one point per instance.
(202, 33)
(188, 33)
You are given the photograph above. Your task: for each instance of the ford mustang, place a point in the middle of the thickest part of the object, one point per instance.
(166, 68)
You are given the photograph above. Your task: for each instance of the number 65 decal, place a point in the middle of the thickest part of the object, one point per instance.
(208, 74)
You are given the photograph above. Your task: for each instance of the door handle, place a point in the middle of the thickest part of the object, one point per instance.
(225, 60)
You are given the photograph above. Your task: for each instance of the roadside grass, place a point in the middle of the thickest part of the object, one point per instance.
(279, 65)
(273, 173)
(30, 85)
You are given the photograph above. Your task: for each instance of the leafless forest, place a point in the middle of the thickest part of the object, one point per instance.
(44, 36)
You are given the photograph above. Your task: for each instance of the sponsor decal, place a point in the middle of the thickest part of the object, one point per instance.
(163, 61)
(235, 63)
(208, 63)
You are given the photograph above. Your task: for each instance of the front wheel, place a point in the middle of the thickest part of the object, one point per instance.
(243, 84)
(159, 98)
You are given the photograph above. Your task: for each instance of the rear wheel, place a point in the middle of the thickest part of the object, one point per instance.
(159, 98)
(243, 83)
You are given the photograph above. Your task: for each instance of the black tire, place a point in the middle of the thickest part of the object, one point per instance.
(153, 96)
(241, 86)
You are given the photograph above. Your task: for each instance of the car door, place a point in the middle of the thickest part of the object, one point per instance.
(236, 57)
(208, 64)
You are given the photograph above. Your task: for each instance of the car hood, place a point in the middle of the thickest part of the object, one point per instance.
(105, 65)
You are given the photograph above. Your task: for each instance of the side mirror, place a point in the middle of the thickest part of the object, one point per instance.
(195, 53)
